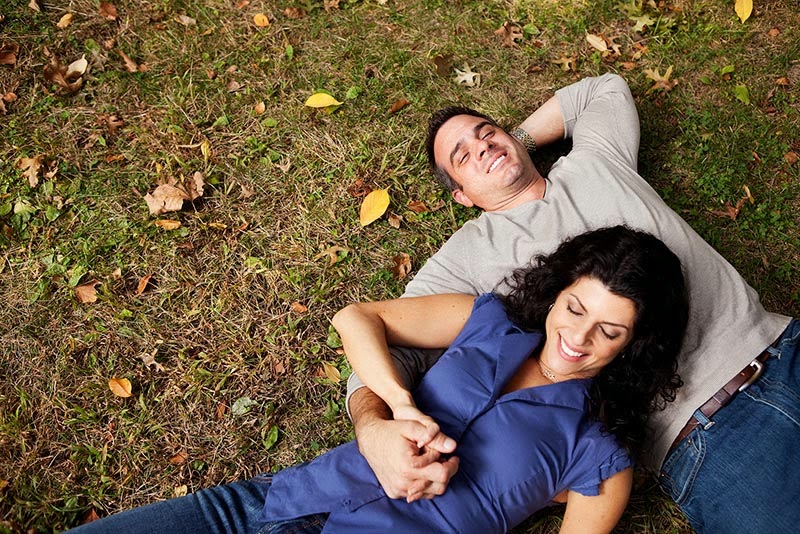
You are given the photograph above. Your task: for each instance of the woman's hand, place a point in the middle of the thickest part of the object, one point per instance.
(409, 412)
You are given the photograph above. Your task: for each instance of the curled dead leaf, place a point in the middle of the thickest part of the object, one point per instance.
(232, 86)
(395, 220)
(663, 83)
(149, 359)
(142, 285)
(34, 5)
(791, 157)
(87, 293)
(64, 21)
(398, 105)
(261, 20)
(467, 76)
(167, 224)
(444, 64)
(8, 54)
(510, 33)
(121, 387)
(333, 254)
(30, 169)
(108, 10)
(68, 79)
(774, 32)
(165, 198)
(185, 20)
(783, 82)
(130, 65)
(298, 308)
(260, 108)
(331, 372)
(330, 4)
(402, 265)
(417, 206)
(374, 206)
(597, 42)
(294, 12)
(219, 413)
(179, 458)
(180, 491)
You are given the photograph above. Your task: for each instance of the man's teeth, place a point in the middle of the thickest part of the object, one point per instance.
(569, 351)
(496, 163)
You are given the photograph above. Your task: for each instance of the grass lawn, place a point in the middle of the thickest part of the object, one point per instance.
(218, 314)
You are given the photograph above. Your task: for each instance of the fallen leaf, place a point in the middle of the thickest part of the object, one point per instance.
(112, 121)
(167, 224)
(8, 54)
(285, 166)
(69, 79)
(65, 21)
(90, 516)
(774, 32)
(731, 211)
(567, 63)
(34, 6)
(791, 157)
(186, 21)
(86, 293)
(331, 372)
(165, 198)
(294, 12)
(298, 308)
(663, 83)
(260, 108)
(143, 281)
(180, 491)
(628, 65)
(233, 86)
(130, 65)
(467, 77)
(597, 42)
(402, 265)
(205, 149)
(321, 100)
(417, 206)
(333, 254)
(742, 94)
(241, 4)
(121, 387)
(374, 206)
(261, 20)
(744, 8)
(398, 105)
(330, 4)
(444, 64)
(747, 194)
(196, 185)
(108, 10)
(783, 82)
(219, 413)
(30, 169)
(510, 33)
(359, 189)
(149, 359)
(439, 204)
(242, 406)
(280, 369)
(179, 458)
(642, 22)
(116, 274)
(395, 220)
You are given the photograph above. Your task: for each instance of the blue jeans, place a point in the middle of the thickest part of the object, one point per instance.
(740, 471)
(225, 509)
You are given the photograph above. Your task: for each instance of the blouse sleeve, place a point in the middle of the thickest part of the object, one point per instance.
(590, 485)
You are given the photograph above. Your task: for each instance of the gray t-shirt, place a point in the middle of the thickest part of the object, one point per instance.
(594, 186)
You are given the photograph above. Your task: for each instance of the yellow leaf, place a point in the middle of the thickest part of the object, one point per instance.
(205, 148)
(261, 20)
(744, 8)
(64, 21)
(168, 224)
(321, 100)
(331, 372)
(260, 108)
(597, 42)
(374, 205)
(121, 387)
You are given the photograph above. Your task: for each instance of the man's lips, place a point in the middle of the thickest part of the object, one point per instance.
(496, 163)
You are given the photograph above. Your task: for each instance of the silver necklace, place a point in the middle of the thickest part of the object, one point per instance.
(547, 373)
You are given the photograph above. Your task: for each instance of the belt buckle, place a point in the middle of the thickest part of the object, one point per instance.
(759, 369)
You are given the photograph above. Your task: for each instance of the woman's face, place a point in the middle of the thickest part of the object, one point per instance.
(587, 327)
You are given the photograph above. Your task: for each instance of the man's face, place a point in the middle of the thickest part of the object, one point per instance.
(491, 166)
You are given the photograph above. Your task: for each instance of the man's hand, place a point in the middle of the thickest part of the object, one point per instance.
(405, 455)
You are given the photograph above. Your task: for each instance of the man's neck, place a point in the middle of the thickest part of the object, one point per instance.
(535, 190)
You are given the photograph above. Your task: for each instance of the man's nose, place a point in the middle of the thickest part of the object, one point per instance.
(483, 148)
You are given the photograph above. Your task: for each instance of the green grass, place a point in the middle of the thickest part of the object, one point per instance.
(218, 313)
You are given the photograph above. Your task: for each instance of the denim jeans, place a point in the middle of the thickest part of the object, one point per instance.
(740, 471)
(226, 509)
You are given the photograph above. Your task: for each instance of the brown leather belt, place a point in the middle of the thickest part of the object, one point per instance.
(721, 398)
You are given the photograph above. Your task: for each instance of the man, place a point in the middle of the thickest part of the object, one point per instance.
(717, 467)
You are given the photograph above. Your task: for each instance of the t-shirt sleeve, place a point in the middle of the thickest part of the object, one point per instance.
(450, 269)
(590, 484)
(600, 116)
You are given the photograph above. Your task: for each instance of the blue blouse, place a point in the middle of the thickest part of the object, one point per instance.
(517, 450)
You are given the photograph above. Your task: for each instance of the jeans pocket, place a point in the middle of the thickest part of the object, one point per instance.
(680, 469)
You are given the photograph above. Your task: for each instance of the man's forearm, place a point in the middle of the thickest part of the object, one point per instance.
(366, 407)
(546, 124)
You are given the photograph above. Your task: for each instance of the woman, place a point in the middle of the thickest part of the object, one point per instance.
(546, 392)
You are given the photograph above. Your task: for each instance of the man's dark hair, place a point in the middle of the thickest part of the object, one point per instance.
(434, 123)
(634, 265)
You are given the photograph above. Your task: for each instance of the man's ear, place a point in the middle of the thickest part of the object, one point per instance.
(461, 197)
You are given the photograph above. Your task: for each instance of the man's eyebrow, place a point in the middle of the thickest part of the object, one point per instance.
(475, 130)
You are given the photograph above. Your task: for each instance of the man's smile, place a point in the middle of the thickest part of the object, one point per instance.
(495, 163)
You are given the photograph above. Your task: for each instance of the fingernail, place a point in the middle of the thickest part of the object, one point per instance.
(450, 442)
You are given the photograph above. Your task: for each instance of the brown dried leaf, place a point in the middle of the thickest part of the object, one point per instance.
(417, 206)
(113, 121)
(167, 224)
(30, 169)
(179, 458)
(8, 54)
(330, 4)
(180, 491)
(260, 108)
(121, 387)
(395, 220)
(439, 204)
(86, 293)
(280, 368)
(567, 63)
(774, 32)
(90, 516)
(130, 65)
(331, 372)
(34, 5)
(783, 82)
(220, 411)
(359, 189)
(333, 254)
(444, 64)
(142, 285)
(294, 12)
(510, 33)
(65, 21)
(398, 105)
(402, 265)
(791, 157)
(68, 79)
(627, 65)
(298, 308)
(195, 186)
(731, 211)
(165, 198)
(149, 359)
(597, 42)
(233, 86)
(186, 21)
(663, 83)
(108, 10)
(241, 4)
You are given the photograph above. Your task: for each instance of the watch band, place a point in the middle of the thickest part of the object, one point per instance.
(524, 137)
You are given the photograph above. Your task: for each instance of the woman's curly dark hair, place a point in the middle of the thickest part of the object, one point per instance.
(639, 267)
